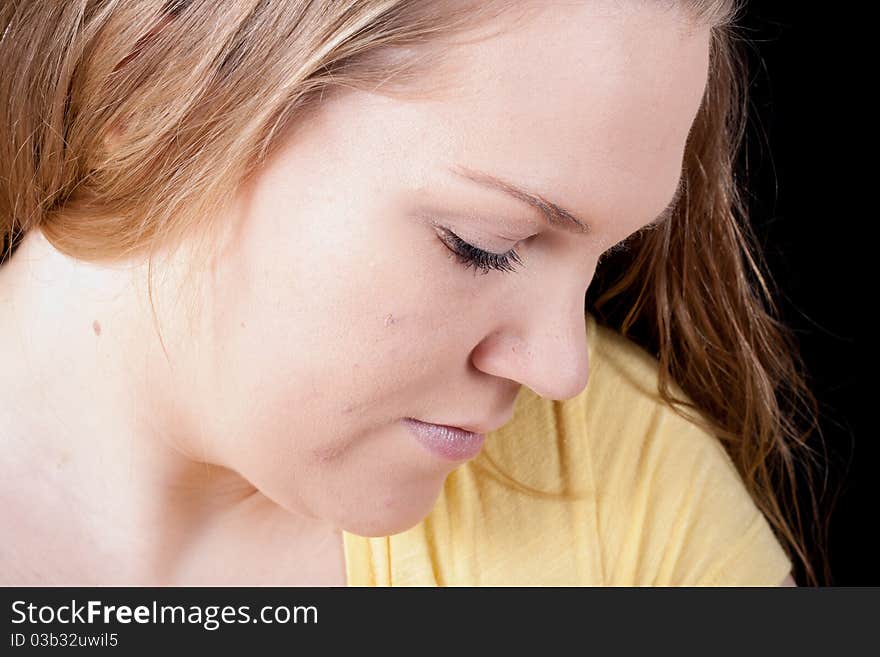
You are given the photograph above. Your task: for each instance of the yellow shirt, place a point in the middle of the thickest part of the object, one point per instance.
(609, 488)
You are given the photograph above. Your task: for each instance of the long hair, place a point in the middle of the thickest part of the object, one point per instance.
(127, 125)
(696, 292)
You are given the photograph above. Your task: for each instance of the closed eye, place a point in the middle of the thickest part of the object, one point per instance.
(472, 256)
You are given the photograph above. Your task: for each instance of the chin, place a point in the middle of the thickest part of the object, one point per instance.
(392, 514)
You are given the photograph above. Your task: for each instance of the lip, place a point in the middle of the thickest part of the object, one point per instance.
(450, 443)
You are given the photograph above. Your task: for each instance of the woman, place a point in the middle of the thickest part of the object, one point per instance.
(244, 338)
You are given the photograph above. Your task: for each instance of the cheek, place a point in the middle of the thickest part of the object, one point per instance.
(316, 365)
(332, 323)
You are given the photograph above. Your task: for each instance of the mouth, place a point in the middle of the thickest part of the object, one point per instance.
(447, 442)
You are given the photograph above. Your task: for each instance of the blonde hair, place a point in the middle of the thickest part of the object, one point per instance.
(128, 125)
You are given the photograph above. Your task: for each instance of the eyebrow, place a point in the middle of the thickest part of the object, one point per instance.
(554, 214)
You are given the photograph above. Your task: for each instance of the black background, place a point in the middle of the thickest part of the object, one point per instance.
(805, 147)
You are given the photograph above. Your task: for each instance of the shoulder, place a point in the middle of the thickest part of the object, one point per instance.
(618, 422)
(598, 439)
(627, 421)
(669, 504)
(670, 481)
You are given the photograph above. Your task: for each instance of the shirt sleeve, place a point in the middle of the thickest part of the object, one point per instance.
(731, 543)
(685, 516)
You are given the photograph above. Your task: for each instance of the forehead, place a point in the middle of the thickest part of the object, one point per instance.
(583, 99)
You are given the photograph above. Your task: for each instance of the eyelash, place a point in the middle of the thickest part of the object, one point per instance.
(471, 256)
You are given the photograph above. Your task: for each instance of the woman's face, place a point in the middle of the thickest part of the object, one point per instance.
(338, 309)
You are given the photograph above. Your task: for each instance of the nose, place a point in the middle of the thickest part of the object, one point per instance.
(545, 349)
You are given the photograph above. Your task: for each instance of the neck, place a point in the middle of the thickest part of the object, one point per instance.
(104, 478)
